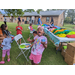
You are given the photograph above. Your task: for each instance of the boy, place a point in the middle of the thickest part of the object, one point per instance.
(35, 34)
(19, 29)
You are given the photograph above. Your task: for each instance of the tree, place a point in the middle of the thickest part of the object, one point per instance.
(54, 9)
(14, 12)
(38, 11)
(47, 9)
(71, 14)
(67, 20)
(29, 10)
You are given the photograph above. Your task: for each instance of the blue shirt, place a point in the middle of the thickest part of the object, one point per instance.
(52, 24)
(7, 43)
(39, 21)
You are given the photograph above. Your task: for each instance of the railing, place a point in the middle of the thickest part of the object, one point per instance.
(52, 37)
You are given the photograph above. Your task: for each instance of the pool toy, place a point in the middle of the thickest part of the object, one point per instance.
(71, 36)
(61, 35)
(71, 33)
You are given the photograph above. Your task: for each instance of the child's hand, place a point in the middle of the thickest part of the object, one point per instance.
(28, 39)
(31, 45)
(10, 31)
(43, 43)
(2, 46)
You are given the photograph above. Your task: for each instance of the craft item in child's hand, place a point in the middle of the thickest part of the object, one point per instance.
(43, 40)
(18, 28)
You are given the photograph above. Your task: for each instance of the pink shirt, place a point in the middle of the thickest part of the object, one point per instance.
(31, 28)
(38, 48)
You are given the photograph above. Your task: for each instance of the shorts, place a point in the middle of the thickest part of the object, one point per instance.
(4, 52)
(36, 58)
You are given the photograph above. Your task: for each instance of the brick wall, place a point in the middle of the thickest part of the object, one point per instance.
(1, 17)
(43, 19)
(61, 19)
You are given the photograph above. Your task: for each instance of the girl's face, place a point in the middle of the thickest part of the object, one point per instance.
(40, 31)
(6, 28)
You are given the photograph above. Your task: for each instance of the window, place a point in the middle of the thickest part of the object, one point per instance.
(15, 18)
(47, 19)
(27, 18)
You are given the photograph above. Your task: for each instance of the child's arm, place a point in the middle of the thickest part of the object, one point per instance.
(30, 40)
(31, 45)
(44, 44)
(16, 28)
(9, 31)
(21, 30)
(3, 43)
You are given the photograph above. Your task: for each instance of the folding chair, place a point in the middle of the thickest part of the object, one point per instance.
(31, 32)
(23, 50)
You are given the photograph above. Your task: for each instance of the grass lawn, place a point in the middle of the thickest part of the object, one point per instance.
(49, 56)
(69, 26)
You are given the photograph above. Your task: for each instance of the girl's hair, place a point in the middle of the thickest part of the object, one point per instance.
(6, 32)
(30, 24)
(3, 26)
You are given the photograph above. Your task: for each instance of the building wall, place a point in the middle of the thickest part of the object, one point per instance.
(1, 17)
(61, 19)
(55, 18)
(58, 20)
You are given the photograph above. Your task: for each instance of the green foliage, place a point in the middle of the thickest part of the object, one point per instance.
(38, 11)
(67, 20)
(14, 12)
(29, 10)
(71, 14)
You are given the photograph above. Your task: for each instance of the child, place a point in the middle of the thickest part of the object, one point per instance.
(40, 43)
(6, 44)
(34, 34)
(31, 28)
(19, 29)
(5, 31)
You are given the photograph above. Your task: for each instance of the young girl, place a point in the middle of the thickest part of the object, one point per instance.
(19, 29)
(6, 44)
(31, 28)
(40, 43)
(5, 31)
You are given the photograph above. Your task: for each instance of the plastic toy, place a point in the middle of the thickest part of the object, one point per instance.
(18, 28)
(43, 40)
